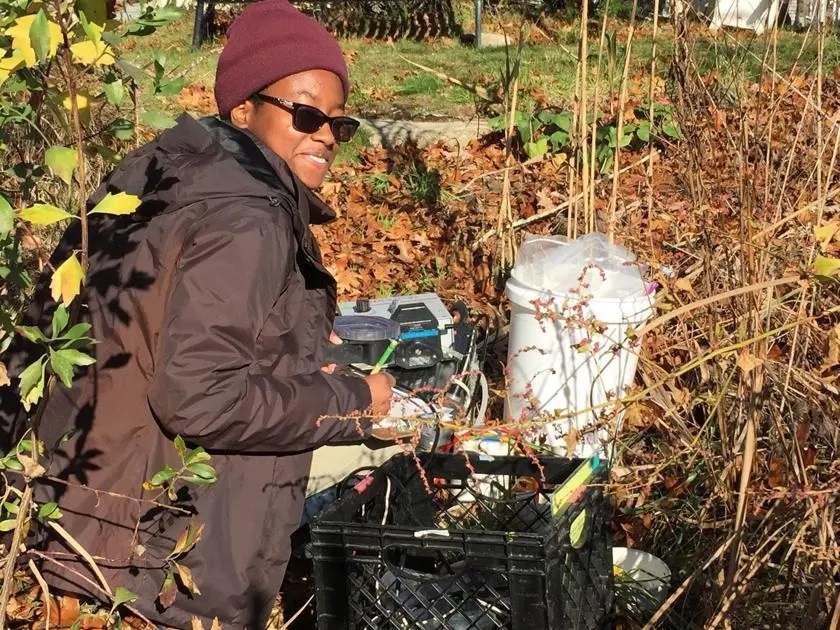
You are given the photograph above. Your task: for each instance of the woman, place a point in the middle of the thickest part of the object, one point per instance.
(212, 308)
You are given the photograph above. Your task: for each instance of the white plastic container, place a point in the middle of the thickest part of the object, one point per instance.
(641, 579)
(561, 370)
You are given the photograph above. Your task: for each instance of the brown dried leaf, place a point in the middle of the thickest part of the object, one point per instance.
(31, 468)
(186, 578)
(748, 362)
(406, 254)
(572, 438)
(168, 591)
(188, 538)
(64, 611)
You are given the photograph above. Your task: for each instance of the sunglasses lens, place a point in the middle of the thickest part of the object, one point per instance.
(343, 128)
(308, 119)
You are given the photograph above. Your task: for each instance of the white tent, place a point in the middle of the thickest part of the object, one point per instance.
(758, 15)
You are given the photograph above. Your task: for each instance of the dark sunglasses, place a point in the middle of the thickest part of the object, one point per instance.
(308, 119)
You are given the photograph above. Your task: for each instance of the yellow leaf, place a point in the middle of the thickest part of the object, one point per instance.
(684, 284)
(44, 214)
(9, 65)
(825, 233)
(19, 32)
(67, 280)
(4, 375)
(824, 266)
(747, 362)
(121, 203)
(82, 101)
(92, 54)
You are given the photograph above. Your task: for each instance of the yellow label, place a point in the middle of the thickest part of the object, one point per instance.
(561, 497)
(577, 530)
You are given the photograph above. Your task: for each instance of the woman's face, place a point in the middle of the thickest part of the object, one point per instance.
(309, 155)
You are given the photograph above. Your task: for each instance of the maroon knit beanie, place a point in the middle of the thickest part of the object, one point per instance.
(268, 41)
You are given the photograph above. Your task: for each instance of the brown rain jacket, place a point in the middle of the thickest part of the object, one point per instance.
(211, 308)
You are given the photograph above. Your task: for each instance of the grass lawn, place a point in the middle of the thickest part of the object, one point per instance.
(386, 84)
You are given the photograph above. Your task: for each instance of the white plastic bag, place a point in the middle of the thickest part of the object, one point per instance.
(589, 264)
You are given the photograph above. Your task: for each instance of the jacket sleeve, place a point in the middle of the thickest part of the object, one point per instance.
(206, 387)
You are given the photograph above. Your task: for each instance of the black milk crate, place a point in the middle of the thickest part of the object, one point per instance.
(465, 545)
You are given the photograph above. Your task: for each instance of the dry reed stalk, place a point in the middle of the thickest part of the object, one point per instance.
(619, 125)
(579, 142)
(651, 92)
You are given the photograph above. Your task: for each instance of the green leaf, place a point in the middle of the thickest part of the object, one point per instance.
(121, 203)
(44, 214)
(59, 320)
(62, 367)
(180, 446)
(114, 91)
(824, 266)
(122, 129)
(198, 481)
(93, 33)
(76, 357)
(672, 130)
(93, 10)
(162, 476)
(171, 88)
(33, 333)
(559, 140)
(202, 470)
(12, 464)
(11, 508)
(536, 149)
(62, 161)
(122, 596)
(48, 508)
(643, 132)
(39, 36)
(131, 70)
(157, 120)
(563, 120)
(196, 455)
(7, 525)
(77, 331)
(163, 15)
(106, 152)
(7, 217)
(32, 383)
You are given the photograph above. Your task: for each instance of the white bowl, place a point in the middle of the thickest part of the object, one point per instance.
(645, 577)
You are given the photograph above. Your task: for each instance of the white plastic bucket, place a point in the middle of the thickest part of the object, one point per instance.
(560, 367)
(641, 580)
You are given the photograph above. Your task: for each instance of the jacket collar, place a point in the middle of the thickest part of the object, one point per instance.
(268, 167)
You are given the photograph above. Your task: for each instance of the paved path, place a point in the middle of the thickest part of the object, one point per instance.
(390, 133)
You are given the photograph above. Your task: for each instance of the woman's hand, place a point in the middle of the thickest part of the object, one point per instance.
(381, 392)
(335, 339)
